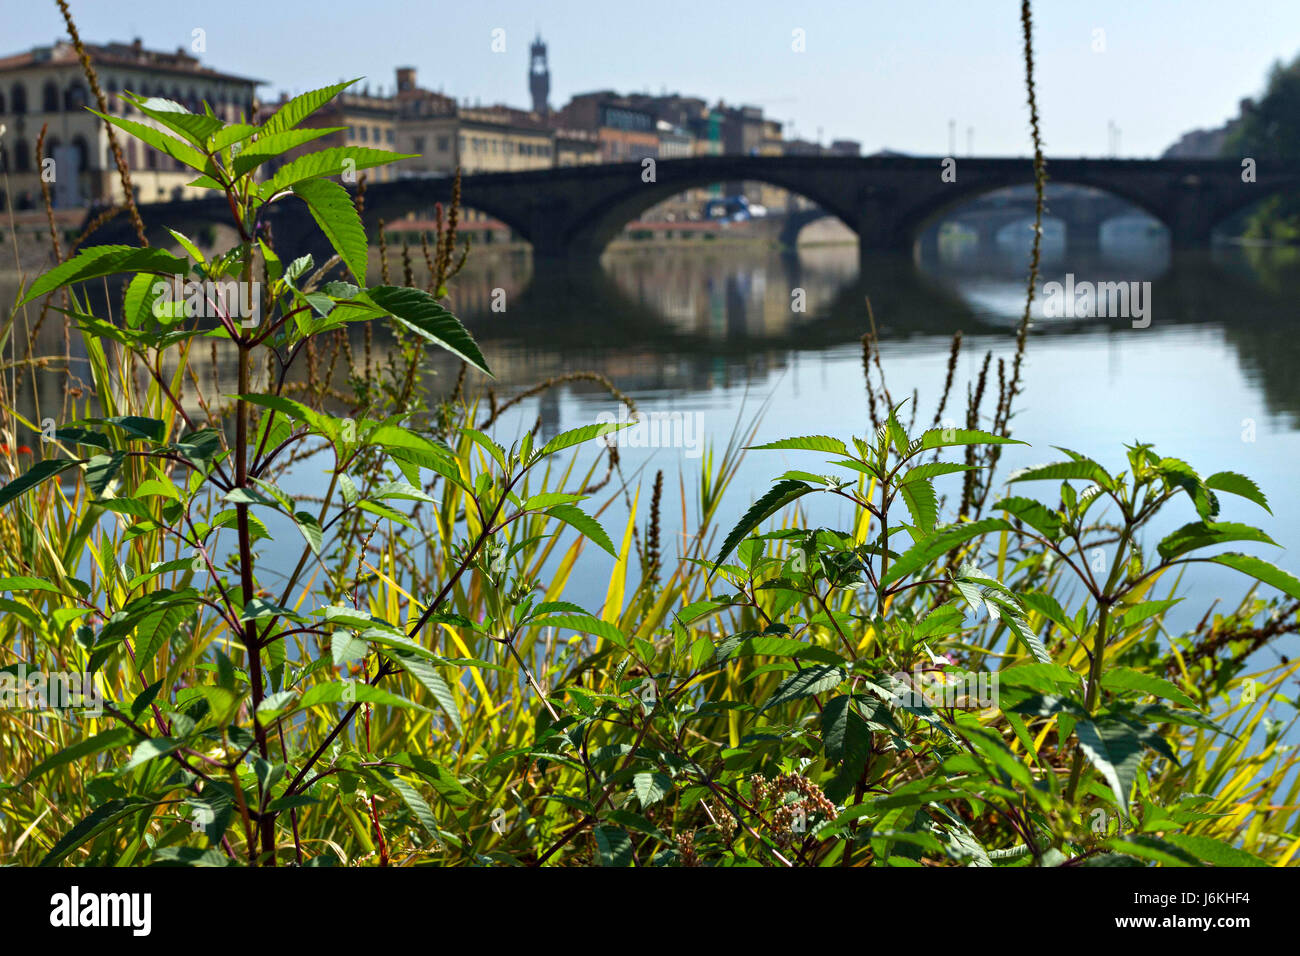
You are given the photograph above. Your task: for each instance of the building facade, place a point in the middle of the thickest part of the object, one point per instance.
(46, 87)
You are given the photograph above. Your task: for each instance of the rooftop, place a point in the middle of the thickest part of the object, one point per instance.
(131, 55)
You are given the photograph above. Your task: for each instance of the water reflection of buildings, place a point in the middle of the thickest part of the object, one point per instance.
(692, 320)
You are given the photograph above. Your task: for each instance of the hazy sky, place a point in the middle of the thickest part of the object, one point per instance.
(890, 73)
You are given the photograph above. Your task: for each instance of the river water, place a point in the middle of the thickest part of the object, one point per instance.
(706, 337)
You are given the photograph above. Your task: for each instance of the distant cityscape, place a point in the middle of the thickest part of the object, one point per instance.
(45, 87)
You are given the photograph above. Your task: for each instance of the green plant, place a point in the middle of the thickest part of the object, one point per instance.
(417, 688)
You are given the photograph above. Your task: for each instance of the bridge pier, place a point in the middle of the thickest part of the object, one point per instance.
(1083, 237)
(926, 247)
(986, 232)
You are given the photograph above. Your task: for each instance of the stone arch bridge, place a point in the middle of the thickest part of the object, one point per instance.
(573, 212)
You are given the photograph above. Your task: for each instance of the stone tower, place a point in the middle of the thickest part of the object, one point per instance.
(539, 77)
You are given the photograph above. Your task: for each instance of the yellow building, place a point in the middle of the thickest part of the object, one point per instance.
(444, 134)
(576, 147)
(46, 87)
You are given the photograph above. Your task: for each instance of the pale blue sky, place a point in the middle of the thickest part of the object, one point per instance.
(890, 73)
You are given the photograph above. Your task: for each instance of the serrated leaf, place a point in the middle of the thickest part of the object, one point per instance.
(97, 261)
(1240, 485)
(922, 503)
(586, 525)
(39, 472)
(812, 680)
(422, 313)
(821, 443)
(780, 495)
(1033, 513)
(577, 436)
(941, 542)
(650, 788)
(300, 107)
(336, 214)
(1063, 470)
(1116, 750)
(935, 438)
(1201, 534)
(1125, 678)
(327, 162)
(1257, 568)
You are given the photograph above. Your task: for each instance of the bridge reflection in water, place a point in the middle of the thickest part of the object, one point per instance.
(713, 332)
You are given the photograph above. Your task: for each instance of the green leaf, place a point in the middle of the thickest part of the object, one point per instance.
(1214, 851)
(101, 470)
(39, 472)
(116, 737)
(1152, 848)
(614, 846)
(96, 261)
(1125, 678)
(941, 542)
(421, 313)
(845, 734)
(195, 127)
(922, 504)
(585, 623)
(427, 676)
(934, 469)
(326, 162)
(1033, 513)
(650, 788)
(586, 525)
(1240, 485)
(1116, 750)
(1257, 568)
(1180, 474)
(150, 749)
(310, 528)
(780, 495)
(300, 107)
(1201, 534)
(741, 645)
(346, 647)
(805, 683)
(577, 436)
(97, 822)
(416, 803)
(173, 147)
(22, 583)
(935, 438)
(807, 443)
(337, 216)
(1084, 470)
(269, 145)
(349, 692)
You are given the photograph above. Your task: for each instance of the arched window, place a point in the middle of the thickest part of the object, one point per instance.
(114, 104)
(83, 153)
(75, 98)
(19, 98)
(51, 147)
(192, 101)
(2, 102)
(22, 157)
(50, 98)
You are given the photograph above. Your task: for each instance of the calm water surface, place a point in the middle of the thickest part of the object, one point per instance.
(710, 334)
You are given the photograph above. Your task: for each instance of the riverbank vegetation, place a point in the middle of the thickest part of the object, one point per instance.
(976, 668)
